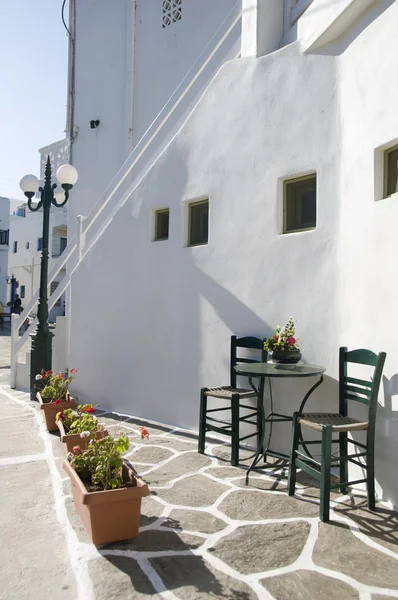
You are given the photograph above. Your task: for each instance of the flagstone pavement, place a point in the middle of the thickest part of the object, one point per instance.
(203, 533)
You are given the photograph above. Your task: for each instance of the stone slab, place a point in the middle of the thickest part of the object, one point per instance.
(191, 578)
(150, 511)
(257, 548)
(193, 491)
(34, 559)
(180, 465)
(203, 522)
(158, 540)
(250, 505)
(338, 549)
(120, 578)
(308, 585)
(20, 437)
(150, 454)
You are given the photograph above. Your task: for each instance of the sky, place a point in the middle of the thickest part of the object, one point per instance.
(33, 84)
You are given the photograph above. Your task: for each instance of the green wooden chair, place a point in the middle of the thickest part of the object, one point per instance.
(234, 396)
(350, 389)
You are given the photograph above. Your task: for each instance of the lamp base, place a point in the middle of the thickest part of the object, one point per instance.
(40, 357)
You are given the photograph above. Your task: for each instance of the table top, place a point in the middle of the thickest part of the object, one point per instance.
(278, 370)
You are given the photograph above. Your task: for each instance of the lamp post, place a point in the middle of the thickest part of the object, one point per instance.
(42, 338)
(13, 282)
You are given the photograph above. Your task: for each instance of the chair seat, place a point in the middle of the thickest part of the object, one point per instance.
(228, 392)
(338, 422)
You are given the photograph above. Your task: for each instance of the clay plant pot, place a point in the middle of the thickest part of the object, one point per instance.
(111, 515)
(69, 440)
(50, 411)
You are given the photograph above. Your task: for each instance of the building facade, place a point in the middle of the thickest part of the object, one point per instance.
(237, 165)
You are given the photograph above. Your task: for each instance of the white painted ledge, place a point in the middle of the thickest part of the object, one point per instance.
(325, 21)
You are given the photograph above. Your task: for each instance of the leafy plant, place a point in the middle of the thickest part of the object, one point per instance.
(79, 420)
(54, 385)
(100, 466)
(283, 339)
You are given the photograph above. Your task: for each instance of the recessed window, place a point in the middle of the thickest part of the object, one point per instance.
(299, 204)
(53, 287)
(27, 245)
(22, 291)
(198, 223)
(391, 171)
(15, 247)
(162, 225)
(40, 244)
(172, 10)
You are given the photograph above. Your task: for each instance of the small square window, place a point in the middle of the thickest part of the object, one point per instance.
(27, 245)
(15, 247)
(162, 225)
(22, 291)
(299, 204)
(40, 244)
(198, 223)
(391, 171)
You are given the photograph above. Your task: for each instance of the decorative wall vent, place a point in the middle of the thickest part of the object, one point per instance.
(171, 12)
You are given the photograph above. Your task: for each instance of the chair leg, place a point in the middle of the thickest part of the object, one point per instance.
(291, 484)
(370, 460)
(202, 421)
(325, 472)
(343, 463)
(235, 430)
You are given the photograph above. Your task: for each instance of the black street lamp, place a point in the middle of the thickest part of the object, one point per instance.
(67, 175)
(13, 282)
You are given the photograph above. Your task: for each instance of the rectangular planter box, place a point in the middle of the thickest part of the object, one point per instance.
(50, 411)
(69, 440)
(111, 515)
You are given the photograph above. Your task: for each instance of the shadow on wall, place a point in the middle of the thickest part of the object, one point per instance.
(387, 440)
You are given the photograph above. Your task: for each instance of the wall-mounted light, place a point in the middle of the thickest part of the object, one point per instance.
(94, 124)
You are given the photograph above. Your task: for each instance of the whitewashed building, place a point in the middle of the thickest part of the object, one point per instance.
(237, 165)
(4, 246)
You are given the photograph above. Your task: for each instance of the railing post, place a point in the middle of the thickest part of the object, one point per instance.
(13, 369)
(81, 237)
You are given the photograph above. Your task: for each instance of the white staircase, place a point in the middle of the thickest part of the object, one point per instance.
(224, 45)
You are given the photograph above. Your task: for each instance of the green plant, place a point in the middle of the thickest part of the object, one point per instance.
(54, 385)
(283, 339)
(79, 420)
(100, 466)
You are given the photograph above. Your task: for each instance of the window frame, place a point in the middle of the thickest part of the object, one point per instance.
(39, 244)
(191, 205)
(23, 288)
(157, 212)
(286, 184)
(27, 246)
(15, 247)
(386, 155)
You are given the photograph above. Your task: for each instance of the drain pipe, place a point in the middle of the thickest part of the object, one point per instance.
(70, 106)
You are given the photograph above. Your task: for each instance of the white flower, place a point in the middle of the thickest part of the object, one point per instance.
(38, 377)
(101, 426)
(85, 434)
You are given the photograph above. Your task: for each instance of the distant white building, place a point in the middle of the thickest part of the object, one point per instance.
(4, 245)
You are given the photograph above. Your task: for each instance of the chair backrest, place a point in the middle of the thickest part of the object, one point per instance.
(251, 343)
(360, 390)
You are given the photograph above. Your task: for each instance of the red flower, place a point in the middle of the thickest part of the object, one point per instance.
(72, 371)
(291, 341)
(57, 402)
(60, 377)
(144, 433)
(49, 373)
(61, 416)
(89, 409)
(274, 337)
(76, 450)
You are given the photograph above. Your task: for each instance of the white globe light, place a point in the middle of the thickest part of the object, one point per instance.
(59, 196)
(67, 174)
(29, 183)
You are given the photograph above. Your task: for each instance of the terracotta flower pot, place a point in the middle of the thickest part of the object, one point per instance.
(111, 515)
(50, 411)
(69, 440)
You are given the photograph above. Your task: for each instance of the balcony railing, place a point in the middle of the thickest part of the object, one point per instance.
(4, 237)
(58, 153)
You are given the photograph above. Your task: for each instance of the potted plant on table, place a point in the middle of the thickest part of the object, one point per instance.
(53, 394)
(76, 427)
(283, 345)
(107, 492)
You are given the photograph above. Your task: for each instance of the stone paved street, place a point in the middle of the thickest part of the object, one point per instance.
(203, 533)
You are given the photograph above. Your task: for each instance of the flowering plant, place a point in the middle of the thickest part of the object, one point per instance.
(79, 421)
(283, 339)
(100, 466)
(53, 385)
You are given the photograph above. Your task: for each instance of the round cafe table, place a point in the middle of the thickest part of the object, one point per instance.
(261, 372)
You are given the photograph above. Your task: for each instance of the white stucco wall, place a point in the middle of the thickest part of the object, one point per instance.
(260, 120)
(4, 224)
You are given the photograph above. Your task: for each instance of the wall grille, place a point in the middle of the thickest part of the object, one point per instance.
(172, 10)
